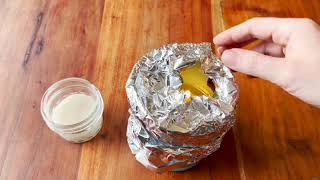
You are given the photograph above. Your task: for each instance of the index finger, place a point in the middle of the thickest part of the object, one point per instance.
(274, 29)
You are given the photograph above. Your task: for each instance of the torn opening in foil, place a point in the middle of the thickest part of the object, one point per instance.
(166, 129)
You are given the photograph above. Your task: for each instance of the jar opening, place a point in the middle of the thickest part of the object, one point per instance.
(59, 91)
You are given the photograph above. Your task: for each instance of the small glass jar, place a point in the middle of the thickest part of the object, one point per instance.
(83, 130)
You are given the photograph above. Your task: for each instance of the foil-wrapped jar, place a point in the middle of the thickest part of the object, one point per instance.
(167, 129)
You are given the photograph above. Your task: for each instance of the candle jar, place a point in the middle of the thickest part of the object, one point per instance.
(77, 130)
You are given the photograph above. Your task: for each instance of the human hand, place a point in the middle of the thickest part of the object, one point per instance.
(289, 57)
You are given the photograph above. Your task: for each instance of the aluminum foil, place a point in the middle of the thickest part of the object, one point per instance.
(164, 132)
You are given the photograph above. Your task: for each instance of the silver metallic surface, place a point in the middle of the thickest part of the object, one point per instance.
(164, 132)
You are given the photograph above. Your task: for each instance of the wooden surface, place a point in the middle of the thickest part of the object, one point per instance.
(41, 42)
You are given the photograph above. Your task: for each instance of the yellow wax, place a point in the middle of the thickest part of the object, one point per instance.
(196, 82)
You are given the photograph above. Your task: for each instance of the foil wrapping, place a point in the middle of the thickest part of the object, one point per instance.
(164, 132)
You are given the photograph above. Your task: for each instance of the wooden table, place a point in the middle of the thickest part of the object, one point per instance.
(41, 42)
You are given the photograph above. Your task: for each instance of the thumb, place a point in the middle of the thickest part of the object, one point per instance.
(254, 63)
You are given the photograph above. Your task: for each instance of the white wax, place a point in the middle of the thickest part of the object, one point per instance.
(73, 109)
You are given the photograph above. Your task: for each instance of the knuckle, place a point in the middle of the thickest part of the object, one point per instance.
(288, 77)
(251, 62)
(306, 22)
(302, 25)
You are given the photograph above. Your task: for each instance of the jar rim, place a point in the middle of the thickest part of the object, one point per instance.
(79, 126)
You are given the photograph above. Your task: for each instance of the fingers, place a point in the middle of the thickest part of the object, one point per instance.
(269, 48)
(275, 29)
(266, 48)
(220, 49)
(254, 63)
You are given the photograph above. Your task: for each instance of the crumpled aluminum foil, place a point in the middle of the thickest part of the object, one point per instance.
(164, 132)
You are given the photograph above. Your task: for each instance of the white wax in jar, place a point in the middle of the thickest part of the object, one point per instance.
(73, 109)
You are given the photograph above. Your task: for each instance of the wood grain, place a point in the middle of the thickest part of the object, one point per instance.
(278, 134)
(41, 42)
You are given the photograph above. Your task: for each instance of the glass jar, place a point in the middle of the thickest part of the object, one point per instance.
(83, 130)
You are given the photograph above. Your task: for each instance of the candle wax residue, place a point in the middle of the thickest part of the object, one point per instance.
(73, 109)
(196, 83)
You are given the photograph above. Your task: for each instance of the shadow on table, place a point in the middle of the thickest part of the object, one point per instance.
(222, 163)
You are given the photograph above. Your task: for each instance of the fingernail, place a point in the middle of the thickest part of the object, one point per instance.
(216, 39)
(229, 58)
(220, 50)
(213, 40)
